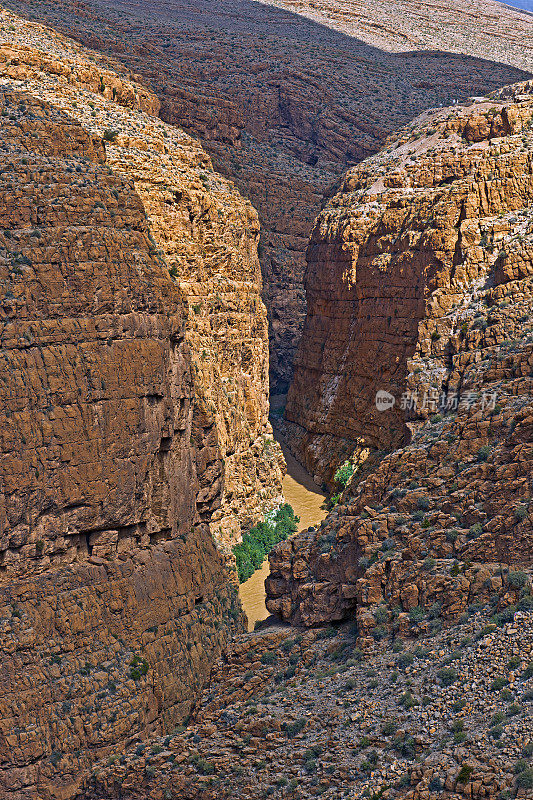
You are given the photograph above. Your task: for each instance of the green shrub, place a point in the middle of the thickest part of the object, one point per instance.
(344, 473)
(483, 453)
(251, 552)
(292, 729)
(110, 136)
(517, 579)
(405, 660)
(498, 683)
(524, 779)
(447, 676)
(528, 672)
(407, 700)
(138, 667)
(464, 774)
(520, 513)
(416, 614)
(475, 531)
(389, 728)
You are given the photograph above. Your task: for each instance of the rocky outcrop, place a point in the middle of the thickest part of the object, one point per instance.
(310, 714)
(420, 285)
(133, 412)
(286, 96)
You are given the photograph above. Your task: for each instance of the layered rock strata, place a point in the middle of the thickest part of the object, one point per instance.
(133, 405)
(420, 285)
(286, 96)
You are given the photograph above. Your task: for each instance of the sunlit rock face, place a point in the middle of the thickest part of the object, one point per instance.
(134, 439)
(419, 286)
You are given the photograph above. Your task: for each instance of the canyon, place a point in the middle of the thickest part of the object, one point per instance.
(286, 96)
(406, 669)
(388, 150)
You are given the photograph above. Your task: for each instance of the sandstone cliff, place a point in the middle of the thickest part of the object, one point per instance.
(286, 96)
(133, 411)
(420, 284)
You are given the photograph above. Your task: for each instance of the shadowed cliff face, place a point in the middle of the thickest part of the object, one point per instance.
(133, 411)
(284, 103)
(421, 285)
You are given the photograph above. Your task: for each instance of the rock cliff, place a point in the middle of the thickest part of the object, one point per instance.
(133, 411)
(286, 96)
(420, 285)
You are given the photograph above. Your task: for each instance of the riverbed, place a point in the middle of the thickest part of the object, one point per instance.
(302, 493)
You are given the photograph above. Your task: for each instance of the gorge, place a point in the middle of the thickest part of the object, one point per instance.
(192, 192)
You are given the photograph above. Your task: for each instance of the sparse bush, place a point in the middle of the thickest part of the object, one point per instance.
(389, 728)
(528, 672)
(524, 779)
(292, 729)
(465, 773)
(344, 473)
(517, 579)
(447, 675)
(475, 531)
(407, 700)
(498, 683)
(405, 660)
(416, 614)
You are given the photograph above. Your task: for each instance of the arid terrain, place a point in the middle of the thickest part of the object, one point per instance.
(285, 96)
(389, 149)
(421, 686)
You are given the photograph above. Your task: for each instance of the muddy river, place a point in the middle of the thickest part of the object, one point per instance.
(306, 499)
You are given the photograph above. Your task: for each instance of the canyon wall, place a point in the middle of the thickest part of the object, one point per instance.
(420, 285)
(285, 97)
(133, 405)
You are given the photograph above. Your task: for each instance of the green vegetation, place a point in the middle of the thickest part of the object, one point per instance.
(344, 473)
(464, 774)
(110, 135)
(250, 553)
(138, 667)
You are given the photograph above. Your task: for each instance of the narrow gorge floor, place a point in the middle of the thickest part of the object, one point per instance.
(302, 493)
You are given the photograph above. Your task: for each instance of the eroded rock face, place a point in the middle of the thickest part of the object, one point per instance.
(420, 284)
(131, 439)
(286, 96)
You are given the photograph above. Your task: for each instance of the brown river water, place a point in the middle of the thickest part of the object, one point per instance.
(306, 499)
